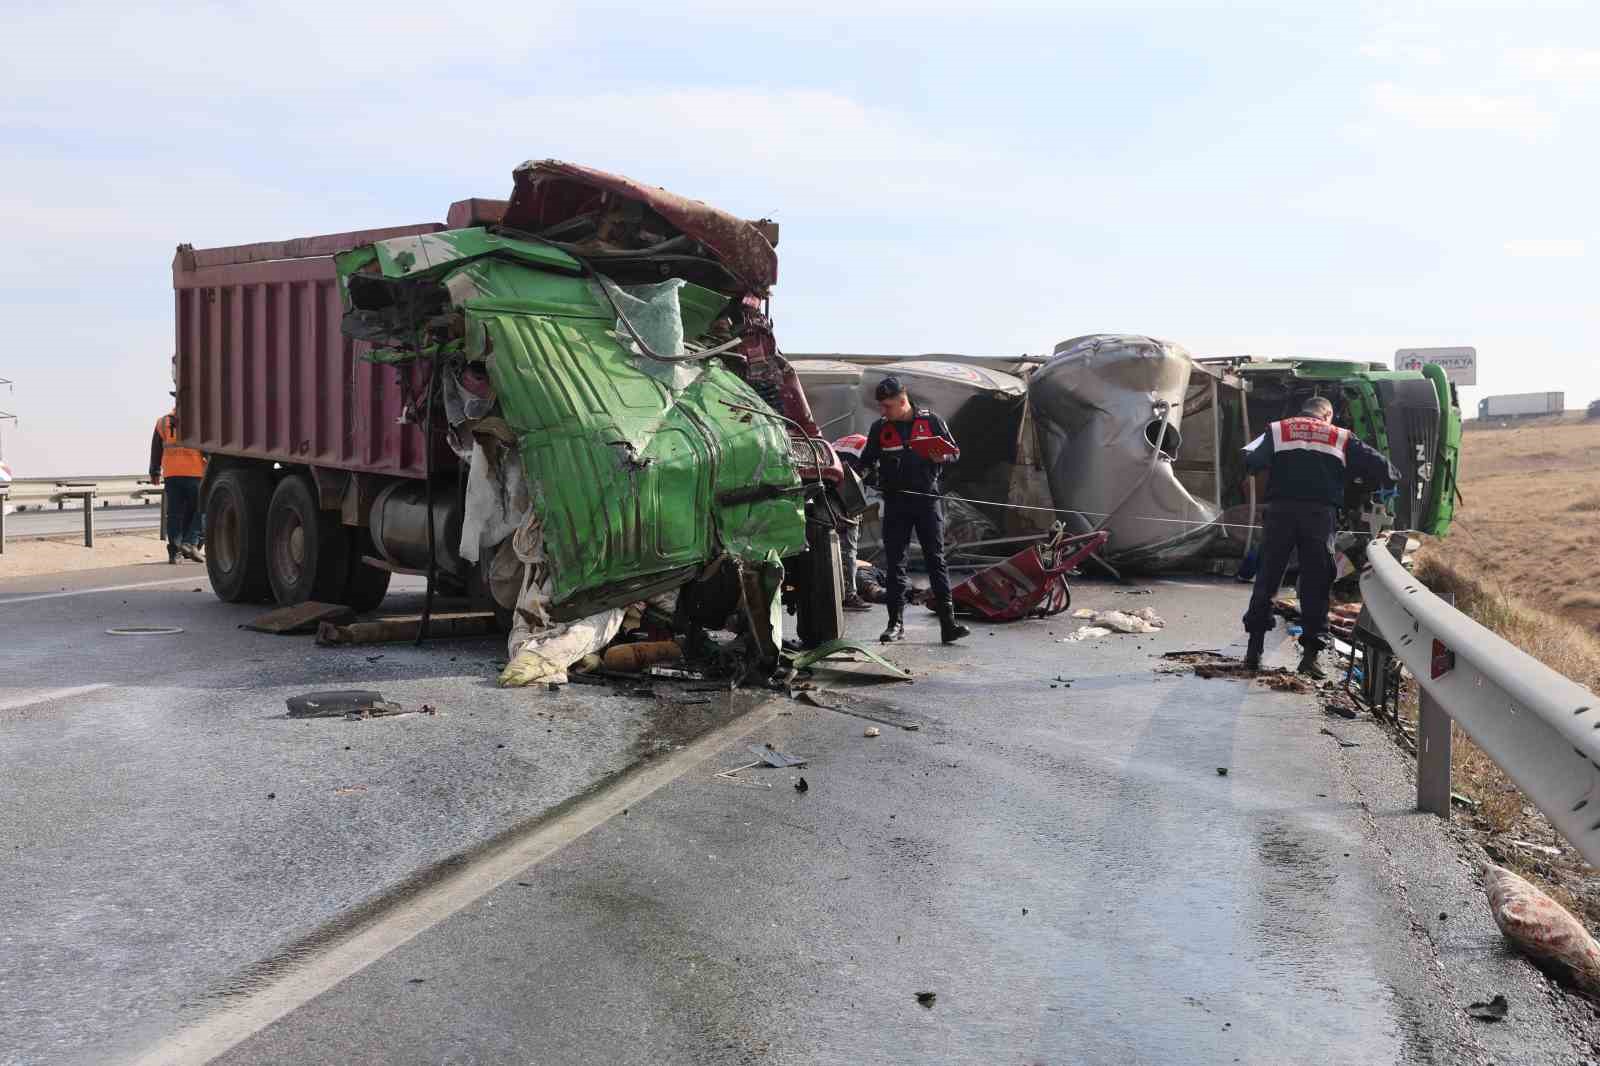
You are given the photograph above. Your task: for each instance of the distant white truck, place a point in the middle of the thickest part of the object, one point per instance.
(1522, 405)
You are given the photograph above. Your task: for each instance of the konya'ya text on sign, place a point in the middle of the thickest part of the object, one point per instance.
(1460, 364)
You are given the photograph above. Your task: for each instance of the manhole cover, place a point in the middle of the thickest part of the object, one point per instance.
(143, 631)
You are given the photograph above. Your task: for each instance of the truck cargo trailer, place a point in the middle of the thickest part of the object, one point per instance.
(1522, 405)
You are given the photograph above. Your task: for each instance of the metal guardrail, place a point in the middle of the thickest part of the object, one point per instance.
(40, 490)
(1541, 727)
(23, 491)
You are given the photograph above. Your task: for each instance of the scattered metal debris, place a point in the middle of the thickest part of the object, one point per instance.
(807, 659)
(801, 786)
(926, 999)
(144, 631)
(871, 731)
(1222, 771)
(775, 758)
(731, 775)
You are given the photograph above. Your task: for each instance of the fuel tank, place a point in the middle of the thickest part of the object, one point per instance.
(1109, 411)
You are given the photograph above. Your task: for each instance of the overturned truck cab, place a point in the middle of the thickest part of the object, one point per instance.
(571, 401)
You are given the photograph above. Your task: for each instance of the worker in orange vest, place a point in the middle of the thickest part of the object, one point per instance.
(180, 469)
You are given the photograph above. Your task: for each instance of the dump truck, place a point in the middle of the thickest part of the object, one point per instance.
(1522, 405)
(581, 379)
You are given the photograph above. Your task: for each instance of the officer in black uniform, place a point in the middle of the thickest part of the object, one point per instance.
(907, 448)
(1307, 459)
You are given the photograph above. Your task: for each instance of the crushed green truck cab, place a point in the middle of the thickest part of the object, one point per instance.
(635, 473)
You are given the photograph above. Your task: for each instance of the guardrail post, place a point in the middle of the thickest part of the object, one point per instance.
(1433, 756)
(88, 520)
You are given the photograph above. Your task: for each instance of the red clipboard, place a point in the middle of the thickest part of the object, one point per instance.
(934, 449)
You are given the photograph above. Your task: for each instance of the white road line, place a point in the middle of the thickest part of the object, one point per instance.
(52, 694)
(5, 601)
(214, 1035)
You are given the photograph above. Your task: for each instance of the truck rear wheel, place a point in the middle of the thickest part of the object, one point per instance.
(236, 535)
(308, 551)
(367, 585)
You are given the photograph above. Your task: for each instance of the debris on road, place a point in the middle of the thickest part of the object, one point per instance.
(1343, 743)
(1104, 623)
(1032, 583)
(858, 707)
(926, 999)
(144, 631)
(775, 758)
(1543, 930)
(871, 731)
(338, 703)
(731, 775)
(1213, 664)
(1222, 771)
(1494, 1010)
(404, 628)
(801, 786)
(834, 648)
(300, 618)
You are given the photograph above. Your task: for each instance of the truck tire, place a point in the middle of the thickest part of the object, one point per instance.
(308, 551)
(236, 535)
(821, 611)
(367, 585)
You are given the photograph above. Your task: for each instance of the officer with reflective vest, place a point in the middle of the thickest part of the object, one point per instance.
(908, 448)
(1308, 460)
(180, 469)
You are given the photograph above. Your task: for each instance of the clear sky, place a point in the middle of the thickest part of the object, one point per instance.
(1333, 179)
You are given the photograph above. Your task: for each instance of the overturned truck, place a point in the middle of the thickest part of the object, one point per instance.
(1132, 436)
(560, 403)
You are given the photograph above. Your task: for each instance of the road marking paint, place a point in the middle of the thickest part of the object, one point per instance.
(104, 588)
(343, 959)
(52, 694)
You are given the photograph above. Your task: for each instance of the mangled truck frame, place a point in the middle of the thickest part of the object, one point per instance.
(564, 403)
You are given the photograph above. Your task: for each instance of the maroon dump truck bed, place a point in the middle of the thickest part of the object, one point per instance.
(263, 370)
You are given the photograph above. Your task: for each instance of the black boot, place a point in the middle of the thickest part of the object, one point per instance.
(172, 554)
(950, 630)
(1252, 653)
(1309, 667)
(895, 630)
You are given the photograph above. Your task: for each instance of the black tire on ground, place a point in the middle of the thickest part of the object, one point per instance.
(367, 585)
(236, 535)
(308, 551)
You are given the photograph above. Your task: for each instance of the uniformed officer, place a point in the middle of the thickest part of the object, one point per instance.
(908, 448)
(1307, 459)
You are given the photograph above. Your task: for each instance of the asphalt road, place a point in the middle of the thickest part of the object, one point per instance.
(1062, 865)
(51, 522)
